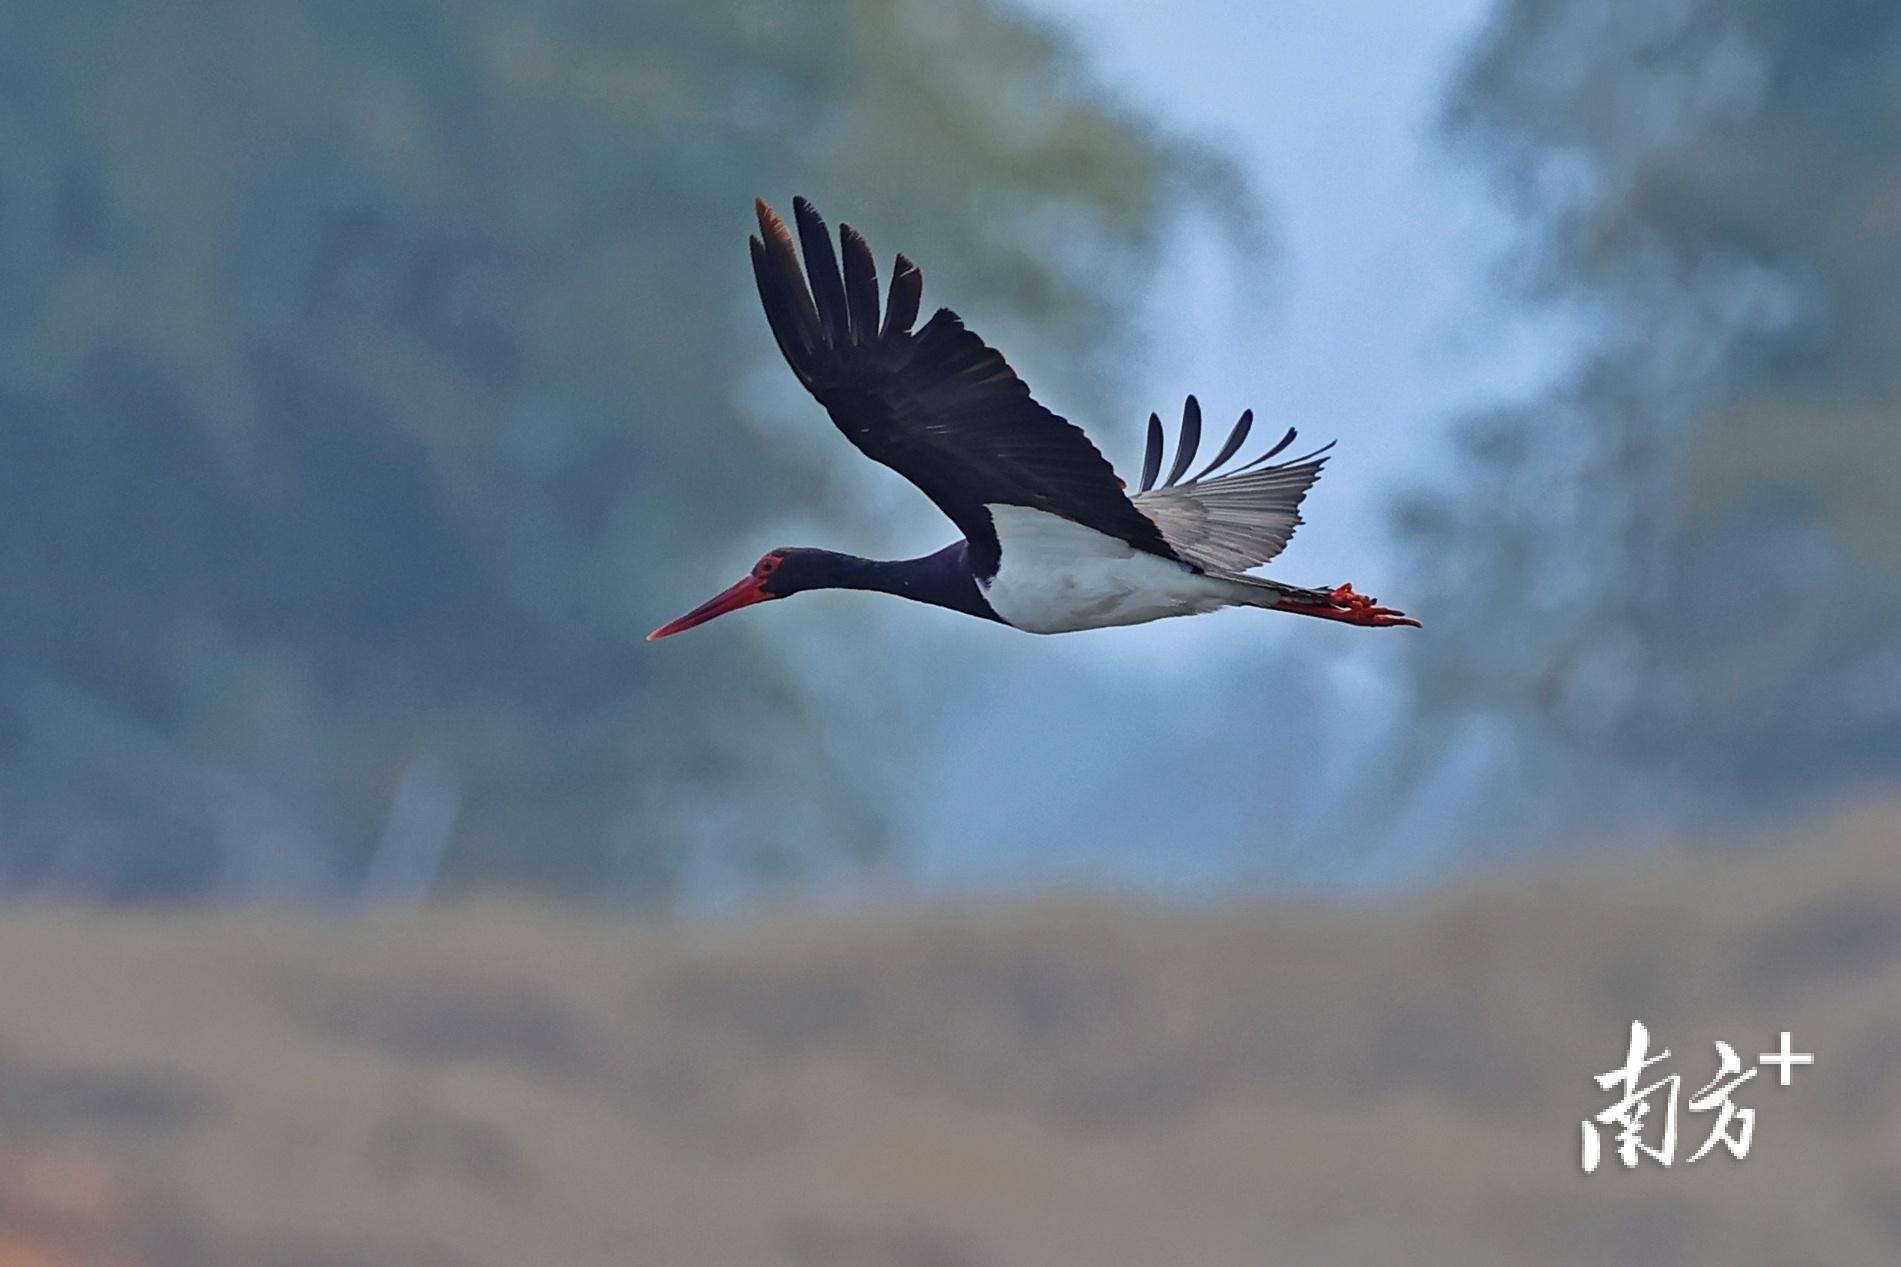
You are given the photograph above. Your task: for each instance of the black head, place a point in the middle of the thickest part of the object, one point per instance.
(790, 569)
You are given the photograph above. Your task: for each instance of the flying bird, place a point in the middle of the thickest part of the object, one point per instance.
(1053, 541)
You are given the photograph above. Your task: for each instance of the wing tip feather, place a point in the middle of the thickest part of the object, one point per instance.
(1152, 452)
(904, 298)
(1188, 442)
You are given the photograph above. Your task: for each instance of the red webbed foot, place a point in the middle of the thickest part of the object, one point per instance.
(1348, 605)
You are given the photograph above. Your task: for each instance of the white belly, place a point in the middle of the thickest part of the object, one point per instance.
(1058, 576)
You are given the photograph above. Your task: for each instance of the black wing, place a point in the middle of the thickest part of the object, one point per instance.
(938, 406)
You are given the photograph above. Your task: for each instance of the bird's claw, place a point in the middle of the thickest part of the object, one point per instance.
(1357, 609)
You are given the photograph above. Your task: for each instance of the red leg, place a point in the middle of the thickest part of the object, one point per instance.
(1344, 604)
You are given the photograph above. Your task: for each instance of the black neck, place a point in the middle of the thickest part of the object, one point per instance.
(943, 579)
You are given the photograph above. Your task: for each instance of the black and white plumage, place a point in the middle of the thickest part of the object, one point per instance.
(1053, 542)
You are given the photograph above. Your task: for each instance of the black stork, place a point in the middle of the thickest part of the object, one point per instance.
(1053, 542)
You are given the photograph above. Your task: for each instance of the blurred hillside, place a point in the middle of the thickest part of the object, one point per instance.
(1080, 1083)
(374, 375)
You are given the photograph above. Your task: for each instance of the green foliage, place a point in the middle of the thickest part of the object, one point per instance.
(1684, 561)
(368, 368)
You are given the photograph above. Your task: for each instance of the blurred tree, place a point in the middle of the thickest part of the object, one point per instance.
(1675, 581)
(367, 366)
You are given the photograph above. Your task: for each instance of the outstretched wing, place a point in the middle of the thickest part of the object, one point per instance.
(938, 406)
(1233, 521)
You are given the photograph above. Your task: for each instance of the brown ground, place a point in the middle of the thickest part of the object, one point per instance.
(1079, 1084)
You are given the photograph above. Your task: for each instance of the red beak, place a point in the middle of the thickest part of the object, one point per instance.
(748, 591)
